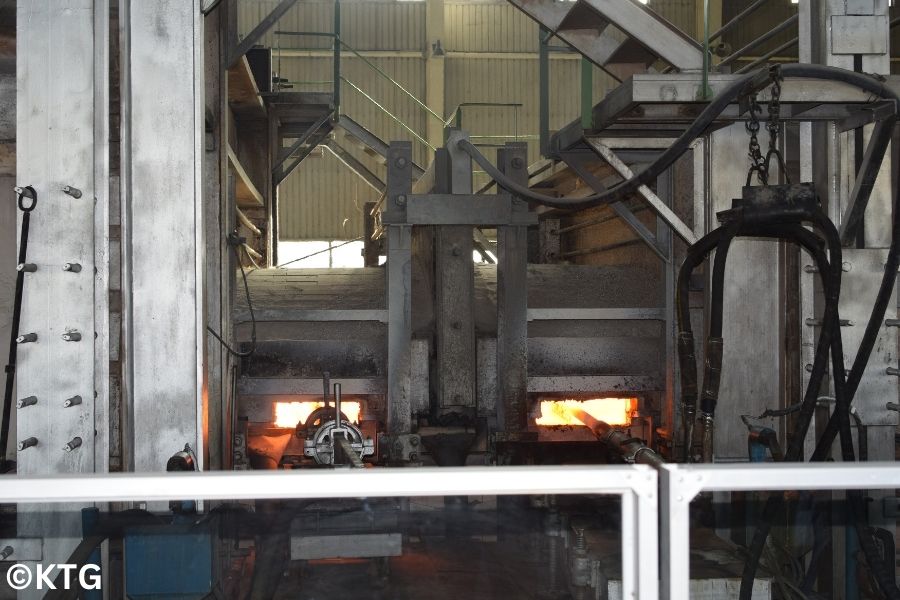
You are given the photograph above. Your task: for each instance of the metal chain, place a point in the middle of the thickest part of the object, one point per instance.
(757, 162)
(774, 124)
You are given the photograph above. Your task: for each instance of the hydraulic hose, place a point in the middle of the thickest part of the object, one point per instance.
(712, 375)
(740, 87)
(687, 357)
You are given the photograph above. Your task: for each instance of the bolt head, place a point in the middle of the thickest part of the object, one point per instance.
(401, 200)
(518, 163)
(400, 162)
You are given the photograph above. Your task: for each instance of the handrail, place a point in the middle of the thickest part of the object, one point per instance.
(388, 113)
(737, 19)
(397, 84)
(760, 40)
(456, 114)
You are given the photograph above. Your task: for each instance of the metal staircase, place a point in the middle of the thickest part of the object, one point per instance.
(623, 37)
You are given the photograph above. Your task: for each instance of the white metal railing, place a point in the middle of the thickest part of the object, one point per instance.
(636, 485)
(655, 505)
(680, 484)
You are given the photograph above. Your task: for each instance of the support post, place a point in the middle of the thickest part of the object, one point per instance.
(63, 141)
(399, 288)
(587, 94)
(455, 287)
(434, 70)
(544, 84)
(163, 236)
(512, 302)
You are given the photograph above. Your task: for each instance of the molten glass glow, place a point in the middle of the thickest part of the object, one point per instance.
(615, 411)
(288, 414)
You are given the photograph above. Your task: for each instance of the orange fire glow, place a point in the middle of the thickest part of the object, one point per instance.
(615, 411)
(288, 414)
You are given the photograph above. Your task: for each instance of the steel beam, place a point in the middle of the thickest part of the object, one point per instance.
(576, 163)
(163, 236)
(875, 157)
(455, 291)
(259, 31)
(654, 202)
(361, 170)
(399, 289)
(512, 301)
(62, 128)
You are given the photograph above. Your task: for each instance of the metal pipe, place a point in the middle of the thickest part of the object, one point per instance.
(737, 19)
(632, 449)
(760, 40)
(337, 406)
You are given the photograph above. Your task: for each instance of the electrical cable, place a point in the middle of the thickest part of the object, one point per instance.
(232, 351)
(26, 208)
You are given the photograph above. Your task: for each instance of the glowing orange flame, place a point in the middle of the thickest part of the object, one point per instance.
(615, 411)
(288, 414)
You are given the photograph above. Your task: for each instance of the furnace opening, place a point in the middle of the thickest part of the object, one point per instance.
(615, 411)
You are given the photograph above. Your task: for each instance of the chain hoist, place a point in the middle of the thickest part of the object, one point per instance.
(757, 162)
(773, 126)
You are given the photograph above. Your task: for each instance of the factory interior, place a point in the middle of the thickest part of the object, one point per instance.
(396, 299)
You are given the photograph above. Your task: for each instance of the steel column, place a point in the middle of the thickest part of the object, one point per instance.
(512, 302)
(163, 236)
(399, 288)
(455, 287)
(62, 120)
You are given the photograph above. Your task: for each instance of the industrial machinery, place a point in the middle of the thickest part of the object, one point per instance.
(511, 311)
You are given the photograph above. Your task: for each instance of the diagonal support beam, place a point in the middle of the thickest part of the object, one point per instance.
(278, 171)
(576, 163)
(352, 163)
(865, 182)
(653, 201)
(259, 31)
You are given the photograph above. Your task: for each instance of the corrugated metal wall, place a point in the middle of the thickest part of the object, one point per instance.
(515, 80)
(365, 24)
(321, 194)
(319, 201)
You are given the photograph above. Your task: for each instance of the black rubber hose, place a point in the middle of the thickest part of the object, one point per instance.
(687, 357)
(740, 87)
(713, 372)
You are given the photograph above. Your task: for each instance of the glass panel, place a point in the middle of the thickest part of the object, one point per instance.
(473, 547)
(812, 549)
